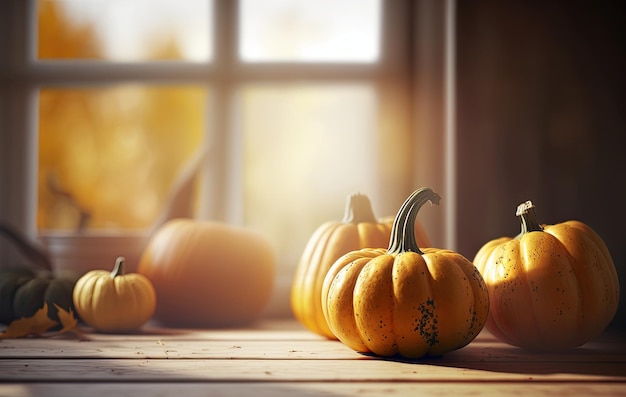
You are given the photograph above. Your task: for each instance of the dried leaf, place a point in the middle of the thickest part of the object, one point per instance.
(35, 325)
(68, 321)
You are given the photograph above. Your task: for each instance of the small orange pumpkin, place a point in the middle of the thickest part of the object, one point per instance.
(114, 301)
(552, 287)
(358, 229)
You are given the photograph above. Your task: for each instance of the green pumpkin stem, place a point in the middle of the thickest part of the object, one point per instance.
(358, 209)
(118, 270)
(526, 212)
(403, 230)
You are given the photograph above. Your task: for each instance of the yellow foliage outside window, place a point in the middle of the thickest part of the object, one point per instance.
(108, 154)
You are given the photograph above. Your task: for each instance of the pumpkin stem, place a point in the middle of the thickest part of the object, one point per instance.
(526, 212)
(403, 230)
(358, 209)
(118, 270)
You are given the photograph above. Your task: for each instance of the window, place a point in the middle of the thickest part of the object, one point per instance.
(295, 105)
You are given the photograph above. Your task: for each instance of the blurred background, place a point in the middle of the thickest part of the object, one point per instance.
(298, 104)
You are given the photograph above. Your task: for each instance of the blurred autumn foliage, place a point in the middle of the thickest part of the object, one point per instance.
(111, 151)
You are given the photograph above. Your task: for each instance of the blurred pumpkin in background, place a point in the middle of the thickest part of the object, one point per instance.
(358, 229)
(551, 287)
(208, 274)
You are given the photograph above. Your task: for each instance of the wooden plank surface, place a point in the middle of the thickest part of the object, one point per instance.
(287, 349)
(280, 358)
(304, 389)
(190, 370)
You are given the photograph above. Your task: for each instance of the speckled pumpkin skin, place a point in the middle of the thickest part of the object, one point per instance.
(410, 304)
(549, 290)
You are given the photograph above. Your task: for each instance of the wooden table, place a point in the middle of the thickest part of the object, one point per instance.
(280, 358)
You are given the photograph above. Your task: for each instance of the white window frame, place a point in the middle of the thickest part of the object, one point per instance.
(417, 58)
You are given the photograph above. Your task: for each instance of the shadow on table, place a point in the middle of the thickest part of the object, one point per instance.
(604, 357)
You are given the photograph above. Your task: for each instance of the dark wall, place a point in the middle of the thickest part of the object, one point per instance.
(541, 116)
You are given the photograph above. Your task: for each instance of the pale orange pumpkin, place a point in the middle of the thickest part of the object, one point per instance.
(114, 301)
(208, 274)
(358, 229)
(551, 287)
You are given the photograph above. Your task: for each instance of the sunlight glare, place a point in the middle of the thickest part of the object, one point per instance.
(310, 31)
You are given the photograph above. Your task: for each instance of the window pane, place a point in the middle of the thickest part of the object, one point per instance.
(303, 155)
(113, 153)
(310, 31)
(120, 30)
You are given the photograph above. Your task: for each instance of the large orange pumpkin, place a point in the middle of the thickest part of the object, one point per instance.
(551, 287)
(358, 229)
(404, 300)
(208, 274)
